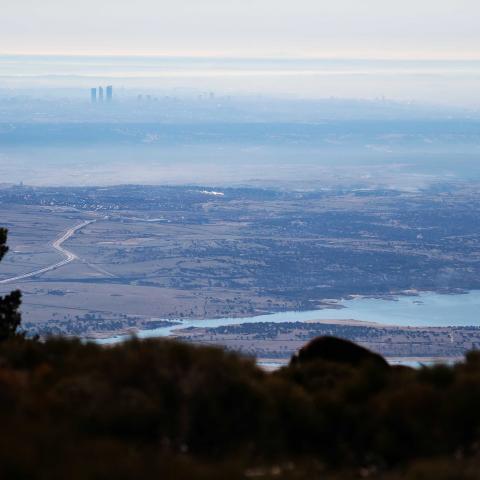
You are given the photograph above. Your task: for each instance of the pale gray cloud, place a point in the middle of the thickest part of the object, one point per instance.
(435, 28)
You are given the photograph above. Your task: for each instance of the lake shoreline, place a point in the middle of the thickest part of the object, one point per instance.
(412, 302)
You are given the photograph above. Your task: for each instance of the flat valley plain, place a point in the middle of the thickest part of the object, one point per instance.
(156, 254)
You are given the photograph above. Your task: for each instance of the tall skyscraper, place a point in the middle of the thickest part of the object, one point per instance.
(93, 95)
(109, 93)
(100, 94)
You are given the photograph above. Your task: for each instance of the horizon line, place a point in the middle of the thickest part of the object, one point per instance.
(234, 56)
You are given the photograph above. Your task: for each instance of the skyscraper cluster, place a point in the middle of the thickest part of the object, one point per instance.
(97, 94)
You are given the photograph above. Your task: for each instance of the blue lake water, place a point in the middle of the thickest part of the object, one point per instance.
(425, 310)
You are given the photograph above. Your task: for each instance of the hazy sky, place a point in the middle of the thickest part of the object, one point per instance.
(366, 28)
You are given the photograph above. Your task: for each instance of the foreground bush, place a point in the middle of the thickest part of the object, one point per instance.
(10, 318)
(161, 409)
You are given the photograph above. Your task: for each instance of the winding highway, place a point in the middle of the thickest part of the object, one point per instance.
(57, 245)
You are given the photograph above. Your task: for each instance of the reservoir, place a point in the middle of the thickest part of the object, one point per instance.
(427, 309)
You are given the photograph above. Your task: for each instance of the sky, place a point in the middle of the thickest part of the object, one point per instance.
(244, 28)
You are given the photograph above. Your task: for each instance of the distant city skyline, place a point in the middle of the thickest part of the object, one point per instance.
(454, 82)
(100, 94)
(423, 51)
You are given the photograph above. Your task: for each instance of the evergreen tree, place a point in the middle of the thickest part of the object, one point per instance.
(9, 304)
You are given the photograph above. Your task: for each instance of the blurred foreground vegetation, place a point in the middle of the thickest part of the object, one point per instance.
(162, 409)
